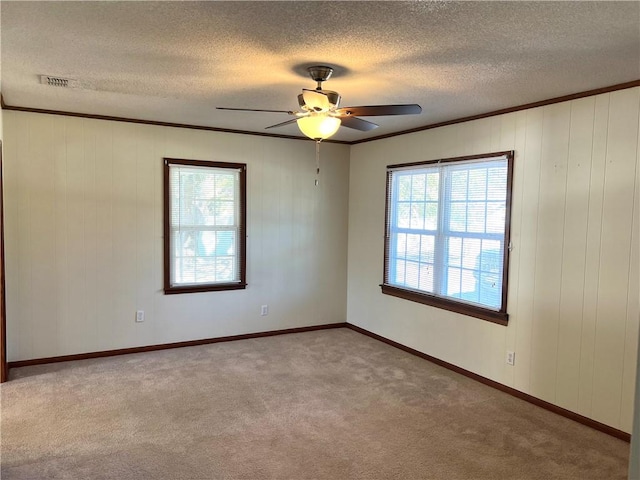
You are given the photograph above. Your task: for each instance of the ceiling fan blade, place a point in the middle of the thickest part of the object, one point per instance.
(282, 124)
(255, 110)
(357, 123)
(316, 101)
(380, 110)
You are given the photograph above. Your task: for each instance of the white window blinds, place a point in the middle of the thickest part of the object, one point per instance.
(446, 225)
(205, 225)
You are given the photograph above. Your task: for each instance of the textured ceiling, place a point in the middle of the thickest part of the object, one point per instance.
(177, 61)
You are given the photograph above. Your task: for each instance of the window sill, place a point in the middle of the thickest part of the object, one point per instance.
(501, 318)
(204, 288)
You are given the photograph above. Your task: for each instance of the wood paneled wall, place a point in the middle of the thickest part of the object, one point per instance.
(574, 269)
(84, 236)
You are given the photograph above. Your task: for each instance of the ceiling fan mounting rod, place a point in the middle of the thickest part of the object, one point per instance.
(319, 74)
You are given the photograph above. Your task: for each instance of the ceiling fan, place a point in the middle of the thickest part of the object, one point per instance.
(320, 113)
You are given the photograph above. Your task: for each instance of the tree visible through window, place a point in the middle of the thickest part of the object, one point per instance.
(447, 233)
(204, 226)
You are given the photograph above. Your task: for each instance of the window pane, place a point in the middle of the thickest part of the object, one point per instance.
(403, 218)
(224, 186)
(477, 184)
(206, 243)
(490, 290)
(417, 216)
(412, 271)
(185, 270)
(433, 184)
(184, 243)
(224, 269)
(426, 277)
(491, 256)
(204, 221)
(205, 270)
(418, 185)
(225, 243)
(413, 247)
(431, 216)
(453, 282)
(461, 256)
(470, 253)
(427, 248)
(497, 186)
(458, 217)
(469, 286)
(455, 252)
(404, 188)
(475, 217)
(401, 245)
(459, 185)
(495, 217)
(224, 213)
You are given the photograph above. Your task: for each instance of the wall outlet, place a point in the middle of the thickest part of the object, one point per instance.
(264, 310)
(140, 316)
(511, 357)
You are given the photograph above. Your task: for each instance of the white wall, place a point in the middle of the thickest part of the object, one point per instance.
(84, 236)
(573, 291)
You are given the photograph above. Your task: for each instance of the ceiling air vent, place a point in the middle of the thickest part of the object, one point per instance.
(58, 81)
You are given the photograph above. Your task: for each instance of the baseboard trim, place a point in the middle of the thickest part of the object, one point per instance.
(614, 432)
(165, 346)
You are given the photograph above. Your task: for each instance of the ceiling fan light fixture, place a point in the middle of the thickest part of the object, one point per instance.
(319, 127)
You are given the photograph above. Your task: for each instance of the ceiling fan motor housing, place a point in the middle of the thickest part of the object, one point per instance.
(333, 97)
(320, 73)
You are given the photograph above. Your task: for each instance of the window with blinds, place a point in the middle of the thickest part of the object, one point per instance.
(447, 233)
(204, 226)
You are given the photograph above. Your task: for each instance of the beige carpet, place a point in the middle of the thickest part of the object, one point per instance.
(330, 404)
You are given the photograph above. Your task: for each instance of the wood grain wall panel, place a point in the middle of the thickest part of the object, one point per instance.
(524, 307)
(447, 141)
(12, 239)
(89, 317)
(145, 163)
(25, 242)
(573, 319)
(631, 359)
(124, 233)
(593, 252)
(41, 224)
(573, 252)
(502, 138)
(60, 314)
(76, 328)
(548, 277)
(105, 280)
(617, 213)
(519, 143)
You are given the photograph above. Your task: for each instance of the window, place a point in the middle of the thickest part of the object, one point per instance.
(447, 233)
(204, 226)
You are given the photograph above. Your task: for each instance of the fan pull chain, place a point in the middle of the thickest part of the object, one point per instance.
(317, 162)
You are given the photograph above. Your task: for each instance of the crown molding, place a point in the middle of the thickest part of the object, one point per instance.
(526, 106)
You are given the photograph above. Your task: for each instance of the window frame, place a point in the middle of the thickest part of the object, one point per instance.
(242, 228)
(501, 316)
